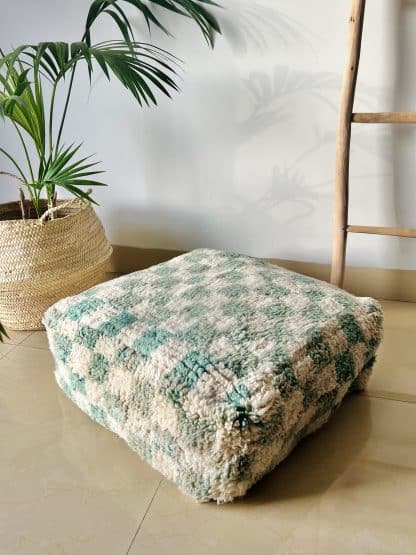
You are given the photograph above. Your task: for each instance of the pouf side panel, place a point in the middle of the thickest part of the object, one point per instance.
(314, 416)
(162, 455)
(214, 485)
(188, 482)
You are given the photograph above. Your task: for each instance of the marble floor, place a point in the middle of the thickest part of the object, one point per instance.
(69, 487)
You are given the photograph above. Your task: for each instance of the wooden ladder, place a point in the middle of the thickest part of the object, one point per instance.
(341, 227)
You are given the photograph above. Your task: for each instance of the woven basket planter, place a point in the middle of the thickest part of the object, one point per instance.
(42, 262)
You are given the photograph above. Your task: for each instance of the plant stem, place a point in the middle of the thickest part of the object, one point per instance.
(68, 96)
(35, 201)
(16, 165)
(12, 175)
(26, 151)
(40, 103)
(24, 182)
(22, 203)
(51, 113)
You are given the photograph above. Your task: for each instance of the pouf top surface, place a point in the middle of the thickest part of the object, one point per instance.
(198, 361)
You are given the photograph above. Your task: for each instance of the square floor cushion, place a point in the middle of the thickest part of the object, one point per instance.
(213, 366)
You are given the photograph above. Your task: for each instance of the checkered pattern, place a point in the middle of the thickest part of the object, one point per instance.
(213, 366)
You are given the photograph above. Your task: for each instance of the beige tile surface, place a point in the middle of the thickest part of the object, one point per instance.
(16, 337)
(67, 485)
(348, 489)
(395, 372)
(5, 348)
(70, 487)
(37, 339)
(399, 315)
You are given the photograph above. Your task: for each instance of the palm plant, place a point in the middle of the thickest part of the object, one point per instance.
(142, 68)
(25, 102)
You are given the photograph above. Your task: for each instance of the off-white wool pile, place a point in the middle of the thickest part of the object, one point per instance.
(213, 366)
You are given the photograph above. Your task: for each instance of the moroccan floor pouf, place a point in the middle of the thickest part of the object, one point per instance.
(213, 366)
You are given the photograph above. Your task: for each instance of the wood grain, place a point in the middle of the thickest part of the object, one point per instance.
(341, 192)
(384, 117)
(376, 230)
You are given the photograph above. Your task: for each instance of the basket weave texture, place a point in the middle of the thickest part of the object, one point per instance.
(41, 263)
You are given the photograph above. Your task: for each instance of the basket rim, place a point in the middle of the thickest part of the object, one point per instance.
(77, 207)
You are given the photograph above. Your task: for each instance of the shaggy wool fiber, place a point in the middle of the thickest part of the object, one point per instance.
(213, 366)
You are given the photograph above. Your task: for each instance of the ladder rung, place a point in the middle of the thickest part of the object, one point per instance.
(392, 231)
(385, 117)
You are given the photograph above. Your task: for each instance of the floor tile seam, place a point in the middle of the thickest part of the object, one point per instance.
(33, 347)
(137, 532)
(386, 396)
(12, 348)
(22, 340)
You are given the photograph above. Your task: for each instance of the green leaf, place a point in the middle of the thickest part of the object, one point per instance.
(63, 170)
(20, 101)
(122, 23)
(138, 66)
(15, 164)
(3, 333)
(144, 70)
(79, 193)
(52, 57)
(193, 9)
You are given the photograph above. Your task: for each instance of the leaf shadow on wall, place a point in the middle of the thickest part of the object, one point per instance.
(269, 102)
(216, 179)
(251, 25)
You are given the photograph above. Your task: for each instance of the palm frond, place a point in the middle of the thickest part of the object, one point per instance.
(63, 170)
(138, 66)
(143, 69)
(193, 9)
(19, 103)
(51, 58)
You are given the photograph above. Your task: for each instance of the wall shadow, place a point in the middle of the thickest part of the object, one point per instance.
(252, 25)
(404, 137)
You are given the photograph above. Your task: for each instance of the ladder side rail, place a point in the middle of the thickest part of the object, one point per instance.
(341, 193)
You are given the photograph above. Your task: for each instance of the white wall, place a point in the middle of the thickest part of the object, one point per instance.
(243, 159)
